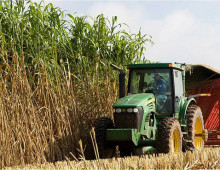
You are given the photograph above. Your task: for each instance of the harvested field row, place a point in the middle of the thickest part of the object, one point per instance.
(209, 158)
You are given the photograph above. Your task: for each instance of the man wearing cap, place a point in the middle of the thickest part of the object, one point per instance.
(159, 90)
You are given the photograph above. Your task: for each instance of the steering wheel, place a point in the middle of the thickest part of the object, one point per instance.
(149, 91)
(149, 87)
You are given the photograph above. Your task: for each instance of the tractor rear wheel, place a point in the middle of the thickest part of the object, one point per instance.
(169, 136)
(101, 125)
(195, 128)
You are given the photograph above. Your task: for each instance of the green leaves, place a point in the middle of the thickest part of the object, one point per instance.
(88, 44)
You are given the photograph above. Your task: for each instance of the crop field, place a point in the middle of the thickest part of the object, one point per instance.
(55, 80)
(206, 159)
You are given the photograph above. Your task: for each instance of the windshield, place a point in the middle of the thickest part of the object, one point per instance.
(157, 81)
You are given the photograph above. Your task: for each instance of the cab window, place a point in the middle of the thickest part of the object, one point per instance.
(156, 81)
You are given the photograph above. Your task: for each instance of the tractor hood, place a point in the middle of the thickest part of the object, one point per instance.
(135, 100)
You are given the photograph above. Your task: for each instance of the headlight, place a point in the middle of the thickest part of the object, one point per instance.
(129, 110)
(135, 110)
(118, 110)
(124, 110)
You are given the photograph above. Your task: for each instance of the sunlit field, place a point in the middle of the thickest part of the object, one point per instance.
(56, 80)
(206, 159)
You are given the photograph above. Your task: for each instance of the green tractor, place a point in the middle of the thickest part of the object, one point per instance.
(155, 115)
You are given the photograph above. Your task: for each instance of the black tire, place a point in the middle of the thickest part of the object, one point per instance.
(168, 129)
(101, 125)
(193, 113)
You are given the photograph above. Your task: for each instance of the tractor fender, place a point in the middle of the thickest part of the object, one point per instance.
(184, 107)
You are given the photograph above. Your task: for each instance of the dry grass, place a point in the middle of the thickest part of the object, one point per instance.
(46, 122)
(206, 159)
(55, 78)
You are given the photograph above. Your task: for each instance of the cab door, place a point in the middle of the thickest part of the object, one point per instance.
(178, 89)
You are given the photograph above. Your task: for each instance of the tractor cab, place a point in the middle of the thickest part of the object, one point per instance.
(165, 81)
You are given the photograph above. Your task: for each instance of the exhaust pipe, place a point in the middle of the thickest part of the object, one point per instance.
(121, 80)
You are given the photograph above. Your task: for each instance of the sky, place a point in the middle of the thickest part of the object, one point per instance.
(182, 31)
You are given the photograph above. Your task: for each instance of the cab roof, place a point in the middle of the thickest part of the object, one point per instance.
(155, 65)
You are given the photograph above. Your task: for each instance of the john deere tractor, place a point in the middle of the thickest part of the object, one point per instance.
(155, 115)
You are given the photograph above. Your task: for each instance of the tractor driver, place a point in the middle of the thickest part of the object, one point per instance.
(159, 89)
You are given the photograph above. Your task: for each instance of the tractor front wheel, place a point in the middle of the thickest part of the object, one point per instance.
(101, 125)
(169, 136)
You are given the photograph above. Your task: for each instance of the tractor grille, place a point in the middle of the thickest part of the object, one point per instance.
(128, 120)
(125, 120)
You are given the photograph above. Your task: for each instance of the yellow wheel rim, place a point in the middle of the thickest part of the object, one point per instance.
(176, 141)
(198, 134)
